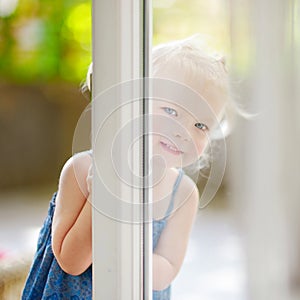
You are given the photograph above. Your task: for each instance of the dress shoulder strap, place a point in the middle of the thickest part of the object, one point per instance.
(175, 188)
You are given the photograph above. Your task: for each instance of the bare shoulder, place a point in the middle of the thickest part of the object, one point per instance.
(79, 164)
(81, 161)
(187, 185)
(75, 171)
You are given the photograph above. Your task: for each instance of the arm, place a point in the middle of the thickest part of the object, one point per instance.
(71, 227)
(172, 245)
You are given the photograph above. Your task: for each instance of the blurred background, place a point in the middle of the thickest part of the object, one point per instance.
(45, 51)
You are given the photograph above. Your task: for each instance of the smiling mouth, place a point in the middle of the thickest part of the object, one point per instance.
(172, 149)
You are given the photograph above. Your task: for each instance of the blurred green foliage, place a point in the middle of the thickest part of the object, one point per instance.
(42, 40)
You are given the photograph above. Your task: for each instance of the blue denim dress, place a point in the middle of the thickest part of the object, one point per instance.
(46, 279)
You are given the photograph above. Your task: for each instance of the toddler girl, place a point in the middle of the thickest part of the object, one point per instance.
(182, 126)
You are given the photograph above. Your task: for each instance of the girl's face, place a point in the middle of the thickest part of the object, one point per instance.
(178, 137)
(182, 125)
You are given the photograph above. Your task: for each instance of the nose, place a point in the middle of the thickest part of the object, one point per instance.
(183, 136)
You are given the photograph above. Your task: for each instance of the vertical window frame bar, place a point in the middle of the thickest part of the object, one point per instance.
(120, 58)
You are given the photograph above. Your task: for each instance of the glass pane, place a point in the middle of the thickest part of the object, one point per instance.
(244, 240)
(191, 55)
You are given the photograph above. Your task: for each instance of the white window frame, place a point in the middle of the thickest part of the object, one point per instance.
(122, 268)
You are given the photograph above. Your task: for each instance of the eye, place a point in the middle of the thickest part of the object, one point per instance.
(201, 126)
(170, 111)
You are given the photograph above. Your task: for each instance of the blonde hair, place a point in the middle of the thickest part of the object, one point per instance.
(193, 58)
(198, 62)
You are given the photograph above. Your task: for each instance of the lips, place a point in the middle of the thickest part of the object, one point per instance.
(171, 149)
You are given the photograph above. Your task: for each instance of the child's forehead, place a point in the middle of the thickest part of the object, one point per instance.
(180, 85)
(182, 97)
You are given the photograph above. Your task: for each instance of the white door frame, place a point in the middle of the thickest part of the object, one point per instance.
(122, 262)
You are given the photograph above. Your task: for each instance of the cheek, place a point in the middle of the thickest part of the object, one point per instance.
(158, 128)
(164, 126)
(200, 145)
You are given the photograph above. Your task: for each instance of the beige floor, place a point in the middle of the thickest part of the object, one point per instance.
(213, 268)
